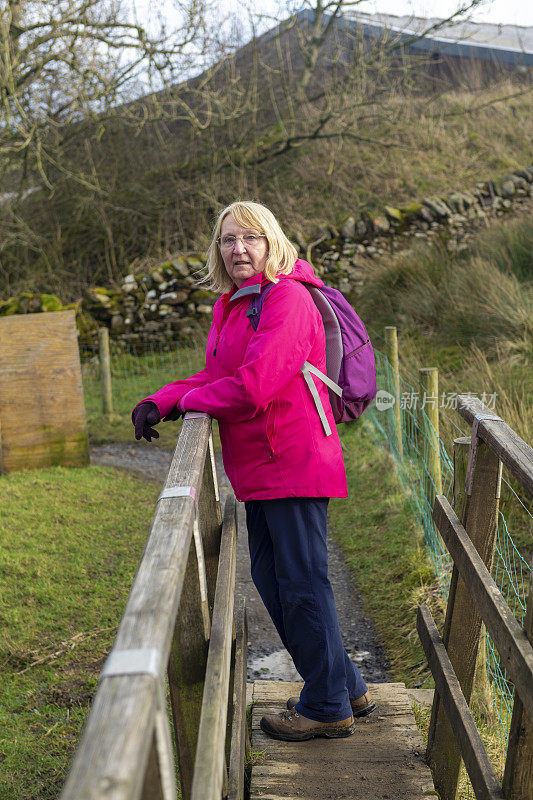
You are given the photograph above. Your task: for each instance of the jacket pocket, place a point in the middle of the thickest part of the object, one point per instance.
(272, 427)
(358, 349)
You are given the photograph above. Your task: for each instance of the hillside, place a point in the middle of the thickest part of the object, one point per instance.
(365, 129)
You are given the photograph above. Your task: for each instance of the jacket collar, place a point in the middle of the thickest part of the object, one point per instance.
(250, 286)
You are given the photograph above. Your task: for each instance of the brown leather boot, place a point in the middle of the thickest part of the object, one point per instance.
(361, 707)
(293, 727)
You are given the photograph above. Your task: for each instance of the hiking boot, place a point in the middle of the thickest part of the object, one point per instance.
(360, 707)
(293, 727)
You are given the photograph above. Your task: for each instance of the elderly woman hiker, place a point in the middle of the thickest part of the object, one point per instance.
(276, 454)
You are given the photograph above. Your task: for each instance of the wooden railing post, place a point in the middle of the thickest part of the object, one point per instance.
(210, 522)
(461, 450)
(210, 772)
(391, 348)
(188, 658)
(240, 741)
(518, 775)
(463, 624)
(481, 695)
(429, 379)
(162, 625)
(105, 371)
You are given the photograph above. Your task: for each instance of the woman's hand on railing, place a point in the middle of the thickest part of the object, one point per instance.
(144, 416)
(173, 415)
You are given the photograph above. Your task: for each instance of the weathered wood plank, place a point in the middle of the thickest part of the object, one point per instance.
(516, 653)
(113, 754)
(518, 775)
(111, 760)
(462, 625)
(479, 768)
(210, 521)
(186, 672)
(516, 454)
(239, 731)
(41, 393)
(481, 698)
(383, 758)
(153, 785)
(210, 752)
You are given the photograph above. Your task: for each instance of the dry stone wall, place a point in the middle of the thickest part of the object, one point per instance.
(164, 303)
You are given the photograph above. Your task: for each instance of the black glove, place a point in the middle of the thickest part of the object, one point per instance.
(144, 416)
(173, 415)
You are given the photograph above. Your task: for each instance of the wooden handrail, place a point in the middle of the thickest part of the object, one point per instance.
(180, 608)
(516, 454)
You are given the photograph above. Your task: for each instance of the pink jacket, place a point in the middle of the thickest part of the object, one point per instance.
(273, 443)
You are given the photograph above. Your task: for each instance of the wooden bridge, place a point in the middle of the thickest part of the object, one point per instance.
(383, 759)
(182, 642)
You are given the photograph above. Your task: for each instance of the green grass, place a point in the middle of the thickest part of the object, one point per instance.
(482, 297)
(70, 542)
(133, 377)
(385, 550)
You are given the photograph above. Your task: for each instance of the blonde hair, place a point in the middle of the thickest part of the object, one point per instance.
(281, 253)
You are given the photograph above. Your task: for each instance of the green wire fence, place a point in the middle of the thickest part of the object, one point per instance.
(414, 460)
(138, 370)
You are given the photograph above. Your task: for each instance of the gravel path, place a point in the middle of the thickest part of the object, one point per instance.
(267, 657)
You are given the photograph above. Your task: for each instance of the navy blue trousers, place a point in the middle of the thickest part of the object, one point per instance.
(289, 560)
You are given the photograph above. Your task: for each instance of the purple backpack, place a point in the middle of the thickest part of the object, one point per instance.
(350, 363)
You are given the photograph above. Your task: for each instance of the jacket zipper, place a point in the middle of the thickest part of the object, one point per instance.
(216, 343)
(269, 439)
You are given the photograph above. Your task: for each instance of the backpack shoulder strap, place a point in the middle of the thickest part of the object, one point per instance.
(256, 304)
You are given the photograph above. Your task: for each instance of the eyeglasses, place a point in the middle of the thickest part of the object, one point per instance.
(249, 240)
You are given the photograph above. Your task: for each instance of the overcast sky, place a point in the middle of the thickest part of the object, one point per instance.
(511, 12)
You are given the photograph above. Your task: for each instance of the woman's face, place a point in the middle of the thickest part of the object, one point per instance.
(242, 260)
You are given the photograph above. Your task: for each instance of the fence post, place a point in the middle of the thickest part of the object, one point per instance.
(481, 694)
(518, 775)
(429, 378)
(391, 341)
(463, 624)
(105, 371)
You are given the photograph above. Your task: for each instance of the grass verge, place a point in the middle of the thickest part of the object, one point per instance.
(69, 554)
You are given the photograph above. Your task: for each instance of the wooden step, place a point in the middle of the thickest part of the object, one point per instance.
(382, 760)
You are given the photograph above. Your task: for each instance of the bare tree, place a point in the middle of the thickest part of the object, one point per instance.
(134, 153)
(329, 80)
(65, 61)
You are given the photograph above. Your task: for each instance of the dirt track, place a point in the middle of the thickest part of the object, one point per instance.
(267, 659)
